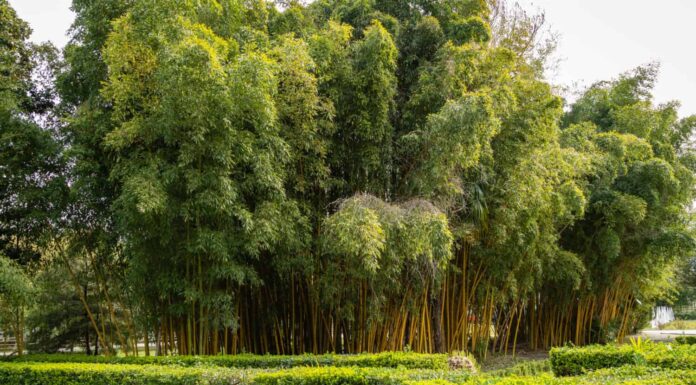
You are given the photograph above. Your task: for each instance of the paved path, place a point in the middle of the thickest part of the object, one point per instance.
(666, 335)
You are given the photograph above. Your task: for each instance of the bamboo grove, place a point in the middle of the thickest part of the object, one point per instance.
(227, 176)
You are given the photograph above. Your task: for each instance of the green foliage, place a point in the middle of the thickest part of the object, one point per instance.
(385, 246)
(636, 224)
(16, 289)
(524, 368)
(629, 375)
(571, 361)
(350, 376)
(346, 176)
(686, 340)
(96, 374)
(99, 374)
(16, 295)
(32, 183)
(380, 360)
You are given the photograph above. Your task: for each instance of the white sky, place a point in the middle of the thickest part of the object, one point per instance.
(603, 38)
(599, 39)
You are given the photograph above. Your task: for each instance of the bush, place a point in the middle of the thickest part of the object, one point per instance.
(24, 373)
(526, 368)
(627, 375)
(687, 315)
(380, 360)
(686, 340)
(100, 374)
(356, 376)
(576, 361)
(572, 361)
(671, 356)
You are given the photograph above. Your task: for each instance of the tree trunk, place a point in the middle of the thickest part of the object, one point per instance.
(146, 339)
(437, 324)
(88, 348)
(158, 341)
(19, 331)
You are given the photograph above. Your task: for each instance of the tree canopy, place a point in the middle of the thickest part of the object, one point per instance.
(229, 176)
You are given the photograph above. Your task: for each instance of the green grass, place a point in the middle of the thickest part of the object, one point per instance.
(679, 325)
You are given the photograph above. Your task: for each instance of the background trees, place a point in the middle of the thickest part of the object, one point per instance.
(342, 176)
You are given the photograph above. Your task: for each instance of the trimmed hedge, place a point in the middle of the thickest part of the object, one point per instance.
(572, 361)
(686, 340)
(24, 373)
(379, 360)
(110, 374)
(101, 374)
(674, 357)
(357, 376)
(626, 375)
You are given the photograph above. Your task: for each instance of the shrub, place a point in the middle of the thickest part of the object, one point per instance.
(635, 375)
(671, 356)
(685, 314)
(526, 368)
(686, 340)
(576, 361)
(356, 376)
(572, 361)
(626, 375)
(381, 360)
(100, 374)
(23, 373)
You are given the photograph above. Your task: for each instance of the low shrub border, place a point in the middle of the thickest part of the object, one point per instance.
(573, 361)
(626, 375)
(379, 360)
(101, 374)
(686, 340)
(112, 374)
(357, 376)
(23, 373)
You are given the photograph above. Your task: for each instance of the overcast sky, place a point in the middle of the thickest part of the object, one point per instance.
(599, 39)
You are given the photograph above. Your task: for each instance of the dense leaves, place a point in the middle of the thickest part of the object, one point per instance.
(347, 176)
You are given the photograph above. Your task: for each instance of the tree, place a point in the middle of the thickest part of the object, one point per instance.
(32, 182)
(347, 175)
(15, 297)
(637, 225)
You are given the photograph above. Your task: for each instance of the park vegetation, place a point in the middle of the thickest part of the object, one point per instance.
(640, 363)
(223, 176)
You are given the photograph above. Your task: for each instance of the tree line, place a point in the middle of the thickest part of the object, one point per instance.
(225, 176)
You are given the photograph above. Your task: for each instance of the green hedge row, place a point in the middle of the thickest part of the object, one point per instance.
(109, 374)
(526, 368)
(627, 375)
(379, 360)
(24, 373)
(357, 376)
(573, 361)
(686, 340)
(100, 374)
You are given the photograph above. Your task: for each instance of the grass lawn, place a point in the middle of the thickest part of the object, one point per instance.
(679, 325)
